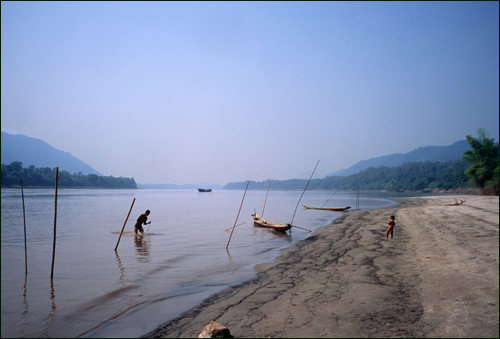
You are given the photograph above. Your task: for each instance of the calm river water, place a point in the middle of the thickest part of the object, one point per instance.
(97, 292)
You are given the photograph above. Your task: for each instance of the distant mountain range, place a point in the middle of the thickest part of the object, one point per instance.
(422, 154)
(36, 152)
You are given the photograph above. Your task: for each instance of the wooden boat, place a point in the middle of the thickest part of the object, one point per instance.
(259, 221)
(337, 209)
(204, 190)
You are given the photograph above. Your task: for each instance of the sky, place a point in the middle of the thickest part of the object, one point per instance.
(218, 92)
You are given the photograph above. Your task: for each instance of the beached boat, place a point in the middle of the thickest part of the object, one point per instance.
(337, 209)
(259, 221)
(204, 190)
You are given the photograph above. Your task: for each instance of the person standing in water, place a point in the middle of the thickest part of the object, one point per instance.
(141, 220)
(390, 230)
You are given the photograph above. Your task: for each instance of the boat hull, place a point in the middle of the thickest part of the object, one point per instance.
(336, 209)
(261, 222)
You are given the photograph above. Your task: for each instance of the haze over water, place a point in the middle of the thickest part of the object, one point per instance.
(152, 278)
(214, 92)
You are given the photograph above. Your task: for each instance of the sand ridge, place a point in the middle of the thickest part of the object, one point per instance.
(437, 278)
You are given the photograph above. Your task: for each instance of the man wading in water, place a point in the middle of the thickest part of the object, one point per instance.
(141, 220)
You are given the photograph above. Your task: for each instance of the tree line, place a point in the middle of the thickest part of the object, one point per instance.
(478, 167)
(413, 176)
(45, 177)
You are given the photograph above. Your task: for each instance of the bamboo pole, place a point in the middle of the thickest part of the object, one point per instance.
(133, 201)
(24, 218)
(55, 223)
(328, 199)
(235, 226)
(357, 200)
(237, 216)
(262, 215)
(291, 222)
(305, 229)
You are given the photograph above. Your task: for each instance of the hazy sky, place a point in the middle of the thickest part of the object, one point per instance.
(180, 92)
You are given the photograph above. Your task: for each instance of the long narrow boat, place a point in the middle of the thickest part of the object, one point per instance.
(259, 221)
(337, 209)
(204, 190)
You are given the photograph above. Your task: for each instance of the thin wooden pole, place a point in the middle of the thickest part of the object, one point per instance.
(55, 223)
(237, 215)
(302, 228)
(357, 200)
(291, 222)
(235, 226)
(262, 215)
(124, 224)
(328, 199)
(24, 218)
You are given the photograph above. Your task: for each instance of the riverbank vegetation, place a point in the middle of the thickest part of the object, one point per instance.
(483, 158)
(411, 176)
(44, 177)
(478, 168)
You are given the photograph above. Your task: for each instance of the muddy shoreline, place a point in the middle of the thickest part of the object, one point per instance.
(437, 278)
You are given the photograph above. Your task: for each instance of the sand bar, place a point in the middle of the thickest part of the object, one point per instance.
(437, 278)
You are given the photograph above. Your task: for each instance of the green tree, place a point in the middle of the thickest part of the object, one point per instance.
(483, 158)
(45, 177)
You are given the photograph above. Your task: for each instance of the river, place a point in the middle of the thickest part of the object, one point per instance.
(178, 262)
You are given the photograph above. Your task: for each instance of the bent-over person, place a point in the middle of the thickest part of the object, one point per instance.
(141, 220)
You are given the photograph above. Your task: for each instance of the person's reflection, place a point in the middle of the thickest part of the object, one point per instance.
(142, 247)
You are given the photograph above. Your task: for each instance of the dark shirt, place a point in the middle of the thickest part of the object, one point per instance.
(142, 219)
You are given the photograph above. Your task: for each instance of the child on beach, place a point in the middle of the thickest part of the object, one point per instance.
(391, 224)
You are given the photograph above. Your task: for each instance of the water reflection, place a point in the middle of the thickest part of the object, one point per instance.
(25, 320)
(142, 246)
(51, 317)
(122, 279)
(270, 233)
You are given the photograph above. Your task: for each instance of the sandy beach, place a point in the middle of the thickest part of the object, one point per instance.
(437, 278)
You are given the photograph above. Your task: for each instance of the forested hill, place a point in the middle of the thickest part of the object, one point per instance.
(36, 152)
(454, 151)
(45, 177)
(413, 176)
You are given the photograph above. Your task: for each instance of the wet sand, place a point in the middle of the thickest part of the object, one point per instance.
(437, 278)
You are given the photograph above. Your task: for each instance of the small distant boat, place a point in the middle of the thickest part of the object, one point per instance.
(259, 221)
(337, 209)
(204, 190)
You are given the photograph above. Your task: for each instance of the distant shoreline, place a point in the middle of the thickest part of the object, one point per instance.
(73, 188)
(468, 191)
